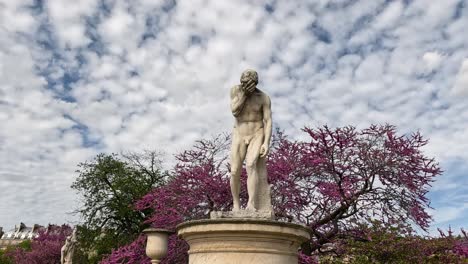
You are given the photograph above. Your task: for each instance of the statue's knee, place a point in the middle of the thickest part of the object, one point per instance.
(235, 172)
(251, 166)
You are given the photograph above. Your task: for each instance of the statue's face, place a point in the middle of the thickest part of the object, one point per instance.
(247, 76)
(244, 80)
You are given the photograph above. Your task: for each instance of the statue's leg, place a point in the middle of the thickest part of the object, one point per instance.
(253, 153)
(238, 150)
(264, 193)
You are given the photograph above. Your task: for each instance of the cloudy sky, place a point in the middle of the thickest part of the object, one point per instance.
(88, 76)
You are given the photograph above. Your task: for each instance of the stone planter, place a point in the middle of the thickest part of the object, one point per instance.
(156, 243)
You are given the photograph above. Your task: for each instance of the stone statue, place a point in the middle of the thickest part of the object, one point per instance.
(250, 142)
(249, 235)
(68, 250)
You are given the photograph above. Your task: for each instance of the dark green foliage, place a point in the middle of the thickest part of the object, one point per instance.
(5, 259)
(109, 185)
(94, 244)
(25, 245)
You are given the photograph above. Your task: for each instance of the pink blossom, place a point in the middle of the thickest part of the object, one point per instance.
(328, 182)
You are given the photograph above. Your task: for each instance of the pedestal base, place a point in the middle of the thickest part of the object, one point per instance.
(265, 215)
(242, 241)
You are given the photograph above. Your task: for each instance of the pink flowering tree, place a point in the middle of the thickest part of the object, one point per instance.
(45, 248)
(132, 253)
(460, 243)
(351, 176)
(333, 182)
(399, 244)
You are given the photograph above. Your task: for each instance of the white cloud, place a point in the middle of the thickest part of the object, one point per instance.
(460, 87)
(390, 15)
(158, 76)
(445, 214)
(16, 20)
(68, 21)
(432, 60)
(117, 25)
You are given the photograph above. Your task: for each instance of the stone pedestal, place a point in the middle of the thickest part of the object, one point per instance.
(243, 241)
(243, 214)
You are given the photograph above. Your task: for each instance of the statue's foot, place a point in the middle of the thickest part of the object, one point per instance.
(236, 208)
(251, 208)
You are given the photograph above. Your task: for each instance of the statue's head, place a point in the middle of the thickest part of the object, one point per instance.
(248, 75)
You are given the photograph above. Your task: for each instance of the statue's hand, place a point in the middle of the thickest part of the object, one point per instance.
(249, 87)
(264, 151)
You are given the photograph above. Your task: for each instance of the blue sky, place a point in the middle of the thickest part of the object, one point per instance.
(82, 77)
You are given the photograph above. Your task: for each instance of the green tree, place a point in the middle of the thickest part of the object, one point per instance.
(108, 186)
(5, 259)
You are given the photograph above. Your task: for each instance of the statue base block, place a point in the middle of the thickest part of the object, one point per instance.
(269, 215)
(242, 241)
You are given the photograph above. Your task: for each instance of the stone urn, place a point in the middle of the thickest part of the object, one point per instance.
(156, 243)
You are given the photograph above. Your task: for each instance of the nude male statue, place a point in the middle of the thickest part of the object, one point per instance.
(250, 142)
(68, 249)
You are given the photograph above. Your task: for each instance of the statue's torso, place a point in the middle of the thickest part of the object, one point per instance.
(250, 120)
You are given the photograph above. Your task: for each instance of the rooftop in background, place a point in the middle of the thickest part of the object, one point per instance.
(19, 234)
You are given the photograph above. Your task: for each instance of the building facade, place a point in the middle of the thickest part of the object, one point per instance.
(19, 234)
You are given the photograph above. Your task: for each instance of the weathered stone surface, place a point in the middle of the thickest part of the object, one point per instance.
(68, 250)
(247, 236)
(269, 215)
(243, 241)
(156, 243)
(251, 137)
